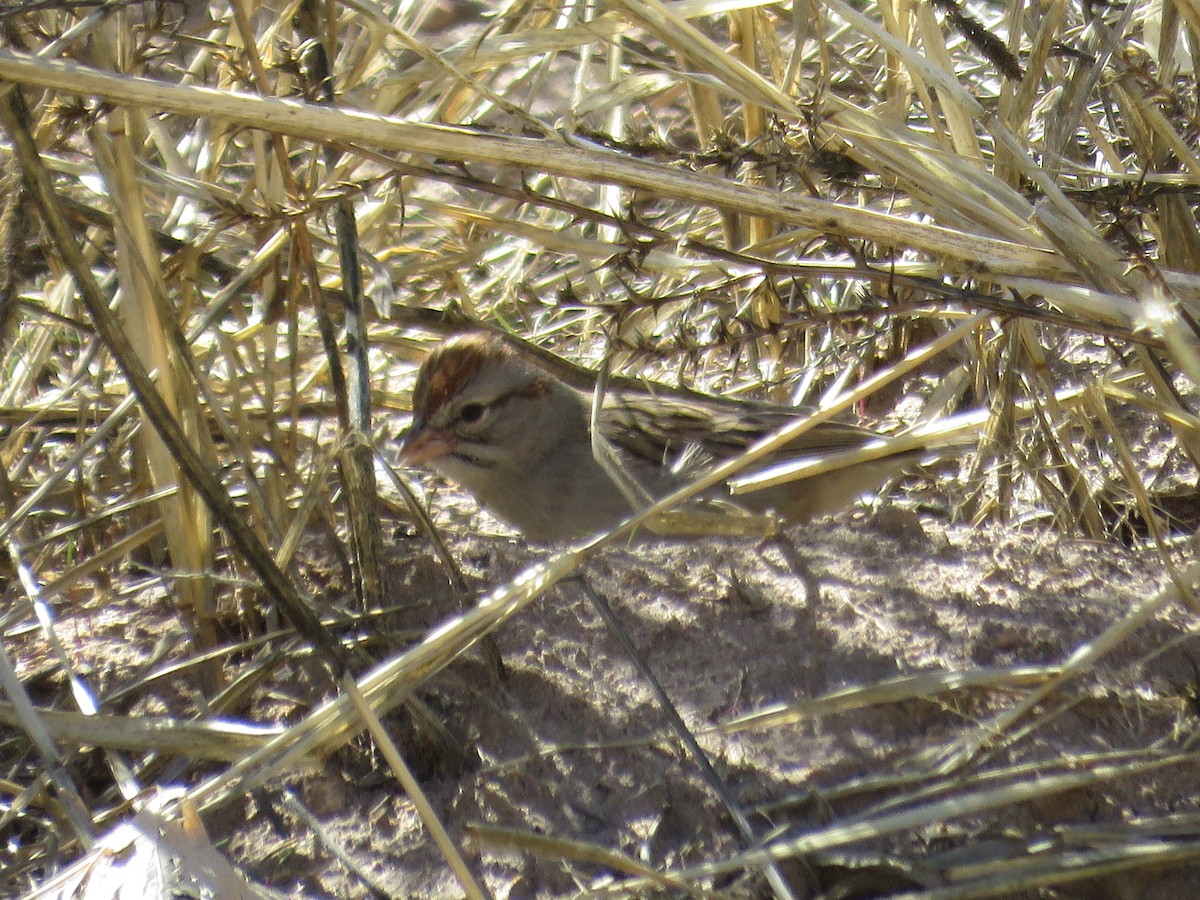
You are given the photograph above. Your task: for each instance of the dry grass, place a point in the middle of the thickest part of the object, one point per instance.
(754, 199)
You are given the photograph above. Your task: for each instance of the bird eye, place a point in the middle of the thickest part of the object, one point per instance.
(471, 413)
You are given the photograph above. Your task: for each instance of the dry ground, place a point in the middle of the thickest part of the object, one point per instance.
(573, 744)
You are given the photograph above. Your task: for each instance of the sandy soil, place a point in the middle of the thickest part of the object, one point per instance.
(575, 746)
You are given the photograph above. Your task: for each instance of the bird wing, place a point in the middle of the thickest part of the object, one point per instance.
(684, 435)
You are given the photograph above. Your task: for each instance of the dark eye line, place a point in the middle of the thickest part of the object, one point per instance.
(472, 413)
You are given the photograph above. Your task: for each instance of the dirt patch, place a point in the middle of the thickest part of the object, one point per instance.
(574, 745)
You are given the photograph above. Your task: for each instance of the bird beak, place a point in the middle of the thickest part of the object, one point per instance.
(421, 445)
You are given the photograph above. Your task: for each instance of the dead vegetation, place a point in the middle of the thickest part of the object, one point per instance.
(978, 220)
